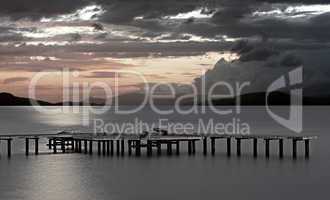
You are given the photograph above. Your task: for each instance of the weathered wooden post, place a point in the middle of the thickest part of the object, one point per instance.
(75, 145)
(255, 147)
(177, 148)
(122, 147)
(9, 147)
(149, 148)
(159, 148)
(212, 146)
(189, 147)
(98, 147)
(267, 148)
(79, 146)
(55, 146)
(193, 142)
(27, 146)
(205, 146)
(238, 146)
(63, 145)
(118, 147)
(49, 143)
(85, 147)
(280, 147)
(129, 145)
(36, 146)
(111, 147)
(72, 145)
(169, 148)
(103, 148)
(138, 148)
(228, 146)
(108, 147)
(307, 148)
(294, 148)
(90, 147)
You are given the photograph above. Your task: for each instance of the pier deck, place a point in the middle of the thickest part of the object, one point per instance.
(117, 143)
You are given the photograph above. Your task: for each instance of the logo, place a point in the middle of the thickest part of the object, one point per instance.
(294, 122)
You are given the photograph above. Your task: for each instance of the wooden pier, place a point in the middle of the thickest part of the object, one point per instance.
(154, 143)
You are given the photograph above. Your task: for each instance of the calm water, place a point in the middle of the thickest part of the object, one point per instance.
(74, 176)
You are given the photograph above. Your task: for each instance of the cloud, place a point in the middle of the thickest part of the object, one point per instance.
(103, 74)
(14, 80)
(260, 73)
(18, 9)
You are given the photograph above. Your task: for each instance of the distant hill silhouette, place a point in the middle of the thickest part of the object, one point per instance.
(7, 99)
(275, 98)
(252, 99)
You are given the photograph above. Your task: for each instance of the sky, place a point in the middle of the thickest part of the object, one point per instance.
(172, 41)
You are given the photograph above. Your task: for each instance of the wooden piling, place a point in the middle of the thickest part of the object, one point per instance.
(111, 147)
(149, 148)
(280, 148)
(189, 147)
(129, 145)
(98, 148)
(75, 145)
(238, 146)
(193, 143)
(108, 147)
(85, 147)
(103, 148)
(79, 146)
(267, 148)
(63, 145)
(117, 147)
(255, 147)
(213, 146)
(27, 146)
(72, 145)
(90, 147)
(122, 147)
(169, 148)
(307, 148)
(138, 148)
(205, 146)
(9, 147)
(177, 148)
(36, 146)
(49, 143)
(294, 148)
(159, 148)
(54, 146)
(228, 147)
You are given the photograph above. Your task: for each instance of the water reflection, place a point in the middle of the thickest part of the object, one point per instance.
(49, 177)
(58, 117)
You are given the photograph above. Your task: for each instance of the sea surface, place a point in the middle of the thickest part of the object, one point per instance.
(77, 176)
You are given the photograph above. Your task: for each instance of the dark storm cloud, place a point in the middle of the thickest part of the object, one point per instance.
(228, 19)
(117, 49)
(7, 35)
(35, 9)
(170, 48)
